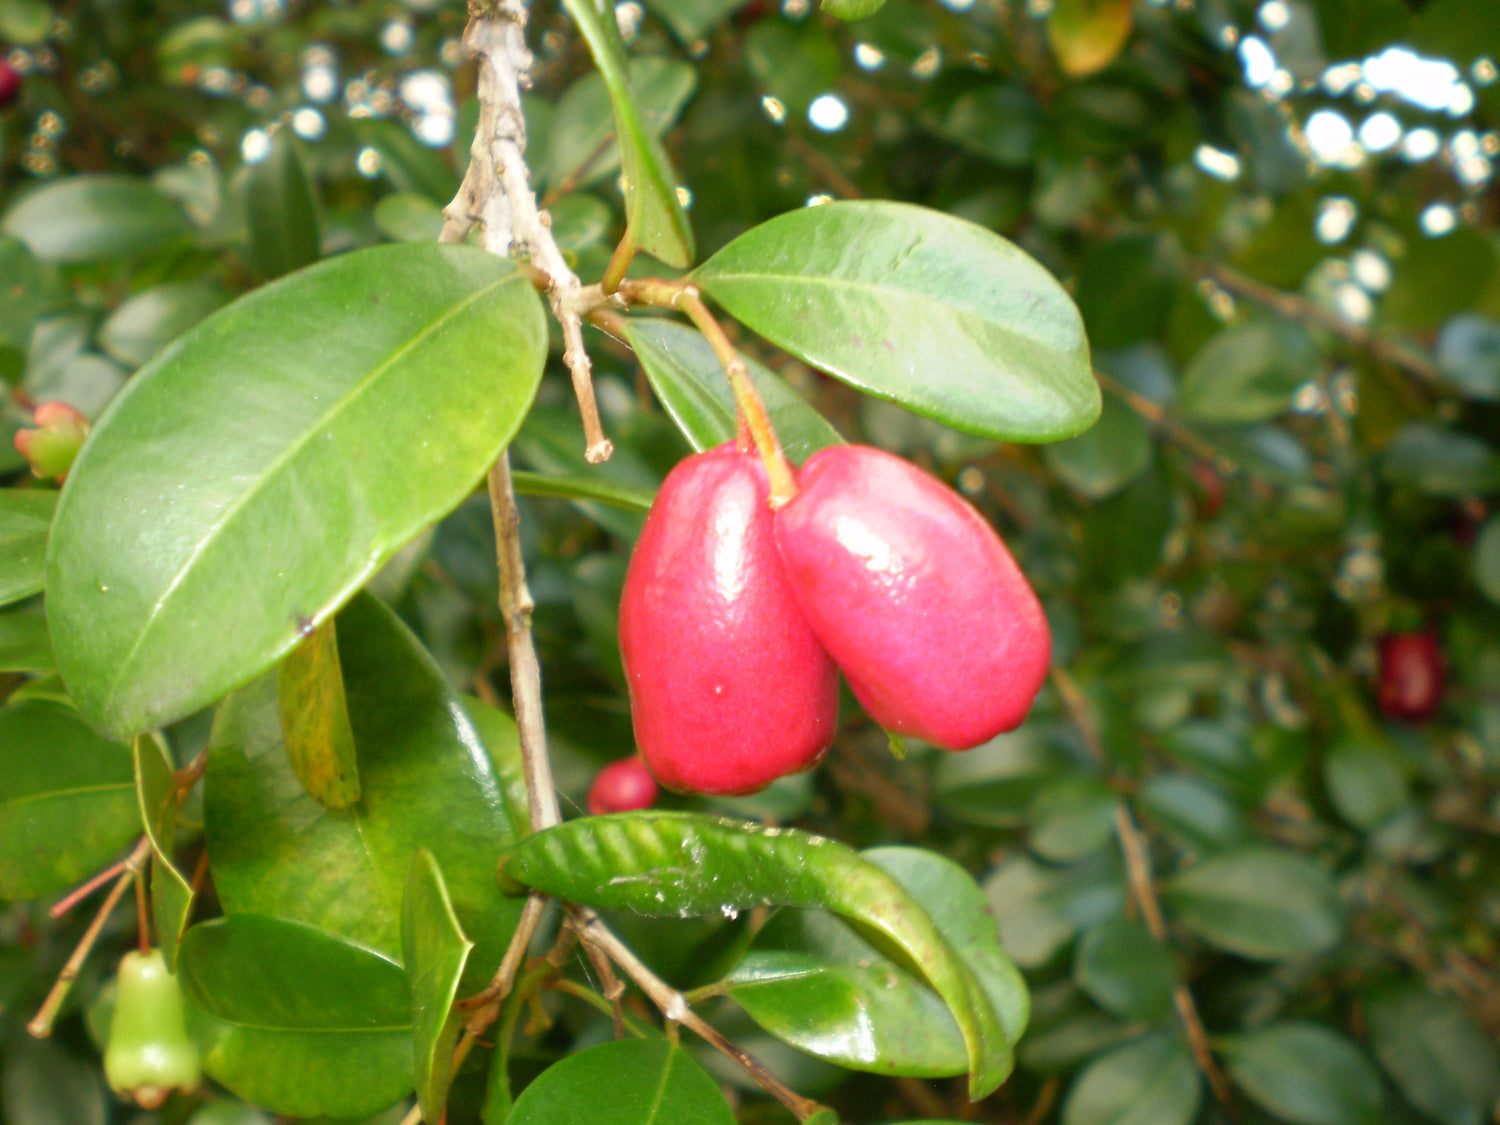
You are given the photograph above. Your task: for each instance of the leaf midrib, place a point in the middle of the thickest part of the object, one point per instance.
(288, 455)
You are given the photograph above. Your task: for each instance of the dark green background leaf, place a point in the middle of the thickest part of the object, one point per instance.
(1259, 902)
(1306, 1074)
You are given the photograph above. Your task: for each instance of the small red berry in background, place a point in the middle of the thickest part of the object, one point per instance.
(1410, 684)
(10, 84)
(1209, 490)
(622, 786)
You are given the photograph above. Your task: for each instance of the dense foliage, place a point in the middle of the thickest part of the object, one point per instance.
(1242, 850)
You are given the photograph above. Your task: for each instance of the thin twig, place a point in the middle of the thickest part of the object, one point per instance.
(1138, 876)
(1159, 418)
(1294, 306)
(496, 191)
(674, 1006)
(41, 1025)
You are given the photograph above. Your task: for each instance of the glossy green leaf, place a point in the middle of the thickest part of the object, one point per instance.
(813, 983)
(149, 321)
(932, 312)
(683, 864)
(25, 518)
(1441, 462)
(1247, 373)
(693, 388)
(315, 718)
(654, 219)
(434, 950)
(1306, 1074)
(25, 645)
(502, 742)
(297, 1020)
(1259, 902)
(171, 894)
(581, 488)
(581, 149)
(1151, 1081)
(280, 210)
(426, 782)
(1439, 1059)
(627, 1082)
(1468, 355)
(68, 805)
(328, 417)
(21, 302)
(1126, 970)
(89, 218)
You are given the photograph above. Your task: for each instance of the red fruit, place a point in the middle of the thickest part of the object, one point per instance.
(729, 689)
(1410, 686)
(914, 596)
(622, 786)
(10, 84)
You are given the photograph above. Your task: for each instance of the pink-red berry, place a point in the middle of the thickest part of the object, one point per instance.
(1412, 674)
(623, 786)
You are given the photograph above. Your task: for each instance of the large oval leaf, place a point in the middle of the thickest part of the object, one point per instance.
(935, 313)
(88, 218)
(682, 864)
(296, 1020)
(813, 983)
(629, 1082)
(1151, 1081)
(297, 439)
(1437, 1056)
(1306, 1074)
(25, 517)
(68, 805)
(426, 781)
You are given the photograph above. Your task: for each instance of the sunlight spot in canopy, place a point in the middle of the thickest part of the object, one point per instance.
(1420, 144)
(1379, 132)
(1217, 163)
(1274, 15)
(1336, 218)
(774, 107)
(1438, 220)
(1259, 62)
(255, 146)
(869, 56)
(828, 113)
(308, 123)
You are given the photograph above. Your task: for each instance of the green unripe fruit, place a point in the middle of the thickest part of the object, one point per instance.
(149, 1053)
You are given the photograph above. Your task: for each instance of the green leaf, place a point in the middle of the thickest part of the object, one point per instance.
(1365, 780)
(690, 20)
(296, 1020)
(1441, 462)
(1442, 1063)
(999, 121)
(405, 216)
(654, 219)
(814, 984)
(1487, 559)
(1126, 970)
(1306, 1074)
(426, 782)
(691, 384)
(44, 1083)
(315, 719)
(851, 9)
(628, 1082)
(582, 488)
(434, 950)
(25, 518)
(25, 22)
(1040, 908)
(326, 418)
(1468, 355)
(1151, 1081)
(89, 218)
(932, 312)
(582, 149)
(149, 321)
(25, 645)
(1126, 285)
(280, 210)
(171, 894)
(1438, 277)
(1247, 373)
(68, 805)
(1197, 812)
(684, 864)
(1071, 818)
(993, 785)
(1259, 902)
(794, 63)
(21, 301)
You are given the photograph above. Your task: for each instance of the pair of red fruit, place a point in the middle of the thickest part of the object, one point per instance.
(739, 612)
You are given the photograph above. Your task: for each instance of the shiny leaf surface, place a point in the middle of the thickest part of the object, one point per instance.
(388, 384)
(434, 950)
(629, 1082)
(934, 313)
(684, 864)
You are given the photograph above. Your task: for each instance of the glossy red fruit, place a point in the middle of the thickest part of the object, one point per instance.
(1412, 674)
(729, 689)
(914, 596)
(10, 84)
(622, 786)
